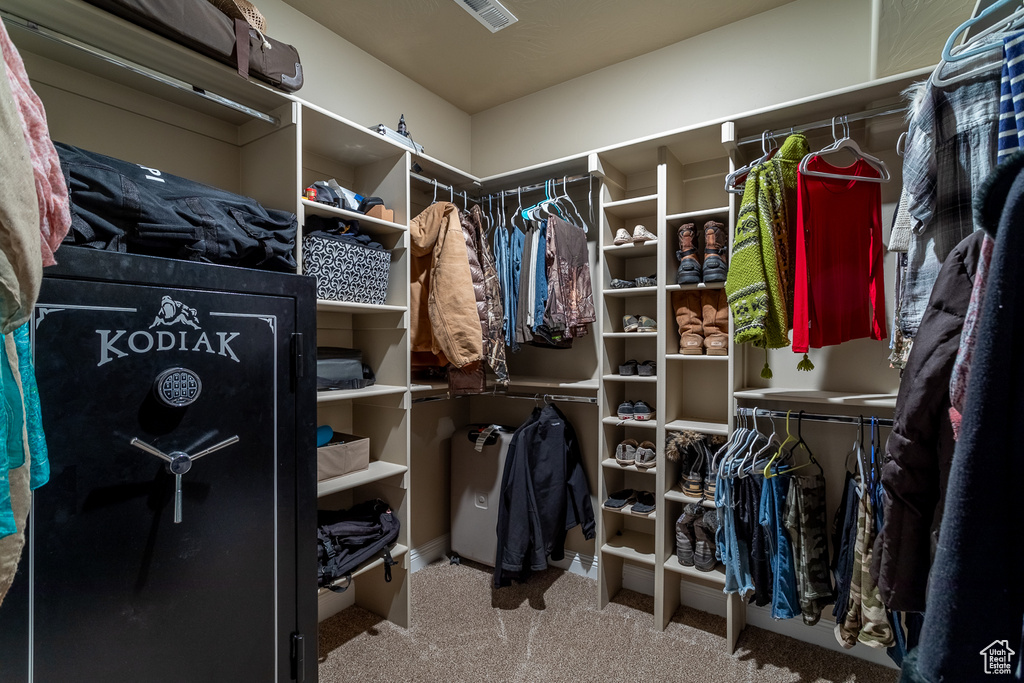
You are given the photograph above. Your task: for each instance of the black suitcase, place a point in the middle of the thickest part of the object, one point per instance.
(202, 27)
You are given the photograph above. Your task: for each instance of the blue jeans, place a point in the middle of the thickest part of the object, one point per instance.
(733, 552)
(785, 603)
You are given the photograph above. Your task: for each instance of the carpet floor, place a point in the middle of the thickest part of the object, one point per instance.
(545, 630)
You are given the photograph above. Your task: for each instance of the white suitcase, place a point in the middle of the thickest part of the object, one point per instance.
(476, 486)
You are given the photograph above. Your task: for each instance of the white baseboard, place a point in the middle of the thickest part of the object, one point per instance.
(330, 603)
(577, 563)
(431, 551)
(708, 599)
(637, 578)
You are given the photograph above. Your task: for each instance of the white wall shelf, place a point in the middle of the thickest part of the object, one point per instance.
(698, 286)
(636, 207)
(356, 394)
(628, 510)
(676, 493)
(398, 551)
(718, 211)
(631, 545)
(613, 464)
(631, 250)
(641, 424)
(630, 291)
(328, 306)
(631, 378)
(630, 335)
(818, 397)
(366, 223)
(695, 357)
(702, 426)
(716, 576)
(377, 471)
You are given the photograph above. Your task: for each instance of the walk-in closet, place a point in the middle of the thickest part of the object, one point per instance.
(510, 341)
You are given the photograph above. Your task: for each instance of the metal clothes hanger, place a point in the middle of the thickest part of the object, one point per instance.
(434, 201)
(771, 441)
(801, 443)
(847, 143)
(768, 471)
(768, 147)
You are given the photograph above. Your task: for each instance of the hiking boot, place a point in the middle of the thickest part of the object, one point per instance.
(716, 245)
(704, 548)
(689, 272)
(686, 538)
(715, 314)
(691, 326)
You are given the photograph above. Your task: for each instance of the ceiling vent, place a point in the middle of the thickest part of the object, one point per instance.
(490, 13)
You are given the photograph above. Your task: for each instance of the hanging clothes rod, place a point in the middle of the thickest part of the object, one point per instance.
(529, 188)
(133, 67)
(889, 110)
(571, 180)
(554, 398)
(813, 417)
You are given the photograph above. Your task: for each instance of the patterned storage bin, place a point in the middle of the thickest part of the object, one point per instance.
(346, 271)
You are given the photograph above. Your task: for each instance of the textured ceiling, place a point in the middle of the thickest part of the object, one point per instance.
(440, 46)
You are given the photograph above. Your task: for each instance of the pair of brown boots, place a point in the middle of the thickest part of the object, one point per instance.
(703, 319)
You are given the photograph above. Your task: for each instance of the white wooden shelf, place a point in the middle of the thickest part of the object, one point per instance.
(328, 306)
(613, 335)
(676, 493)
(613, 464)
(704, 357)
(368, 223)
(701, 426)
(699, 213)
(696, 287)
(532, 382)
(366, 392)
(631, 545)
(816, 396)
(397, 551)
(716, 576)
(635, 207)
(632, 250)
(628, 511)
(630, 291)
(422, 388)
(643, 424)
(630, 378)
(377, 470)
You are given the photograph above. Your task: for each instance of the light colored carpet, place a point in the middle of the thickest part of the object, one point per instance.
(550, 630)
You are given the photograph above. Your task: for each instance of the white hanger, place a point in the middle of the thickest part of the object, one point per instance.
(847, 143)
(768, 145)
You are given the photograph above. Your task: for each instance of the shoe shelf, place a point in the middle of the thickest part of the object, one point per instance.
(630, 378)
(366, 392)
(702, 356)
(699, 213)
(533, 382)
(676, 494)
(378, 470)
(628, 510)
(698, 286)
(716, 576)
(701, 426)
(327, 306)
(397, 551)
(630, 291)
(632, 250)
(644, 424)
(635, 546)
(635, 207)
(367, 223)
(630, 335)
(818, 397)
(613, 464)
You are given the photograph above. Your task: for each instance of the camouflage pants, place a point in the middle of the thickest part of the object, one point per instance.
(805, 519)
(866, 620)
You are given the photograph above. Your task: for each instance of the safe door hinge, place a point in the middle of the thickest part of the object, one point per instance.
(298, 355)
(298, 657)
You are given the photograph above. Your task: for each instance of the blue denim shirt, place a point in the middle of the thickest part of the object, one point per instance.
(542, 276)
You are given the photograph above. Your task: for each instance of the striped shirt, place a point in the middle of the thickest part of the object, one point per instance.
(1011, 96)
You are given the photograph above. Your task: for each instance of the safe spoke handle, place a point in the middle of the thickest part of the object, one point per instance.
(152, 450)
(216, 447)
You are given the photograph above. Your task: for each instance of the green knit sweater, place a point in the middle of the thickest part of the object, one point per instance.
(760, 282)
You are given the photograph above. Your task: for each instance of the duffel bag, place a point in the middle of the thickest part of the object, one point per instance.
(348, 538)
(120, 206)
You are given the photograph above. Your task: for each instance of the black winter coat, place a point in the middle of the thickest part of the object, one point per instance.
(920, 448)
(544, 493)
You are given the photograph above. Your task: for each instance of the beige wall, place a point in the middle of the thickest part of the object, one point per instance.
(346, 80)
(800, 49)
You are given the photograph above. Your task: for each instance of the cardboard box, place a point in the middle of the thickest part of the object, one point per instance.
(380, 212)
(337, 459)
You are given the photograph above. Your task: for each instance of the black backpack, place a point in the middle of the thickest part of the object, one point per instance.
(348, 538)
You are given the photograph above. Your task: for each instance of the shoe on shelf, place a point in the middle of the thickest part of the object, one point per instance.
(616, 283)
(647, 281)
(646, 455)
(644, 504)
(686, 538)
(642, 234)
(689, 272)
(622, 236)
(646, 324)
(619, 499)
(630, 367)
(687, 306)
(704, 549)
(646, 369)
(715, 247)
(715, 312)
(630, 323)
(626, 410)
(625, 452)
(641, 411)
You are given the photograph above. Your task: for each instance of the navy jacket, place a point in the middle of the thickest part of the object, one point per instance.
(544, 494)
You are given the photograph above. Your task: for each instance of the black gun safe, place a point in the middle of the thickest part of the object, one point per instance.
(175, 540)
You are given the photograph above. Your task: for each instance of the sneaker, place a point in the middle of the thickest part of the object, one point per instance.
(619, 499)
(646, 455)
(646, 369)
(630, 323)
(704, 549)
(647, 281)
(642, 234)
(626, 410)
(645, 324)
(644, 504)
(625, 452)
(686, 537)
(616, 283)
(622, 236)
(641, 411)
(630, 367)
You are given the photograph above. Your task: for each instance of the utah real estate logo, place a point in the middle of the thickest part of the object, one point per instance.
(998, 658)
